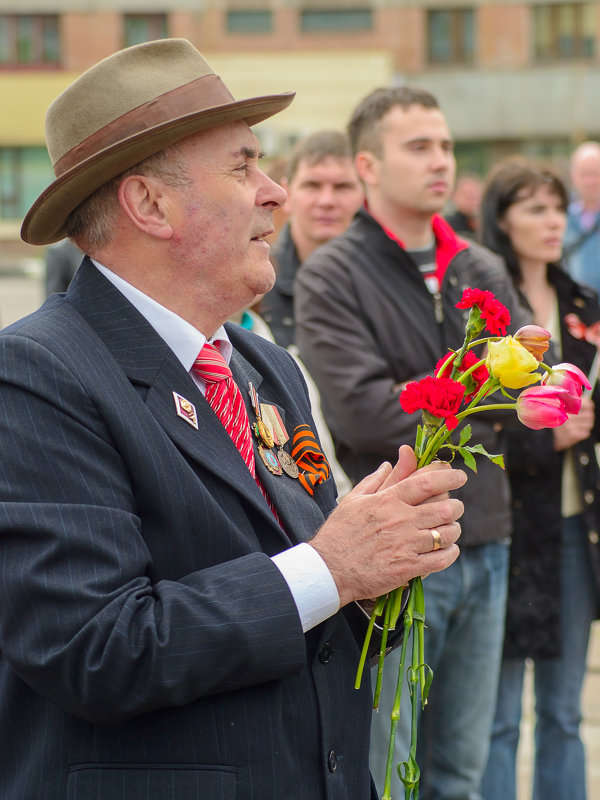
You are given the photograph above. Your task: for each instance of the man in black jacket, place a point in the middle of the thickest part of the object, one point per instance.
(375, 308)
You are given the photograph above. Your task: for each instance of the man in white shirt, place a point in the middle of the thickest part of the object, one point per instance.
(178, 612)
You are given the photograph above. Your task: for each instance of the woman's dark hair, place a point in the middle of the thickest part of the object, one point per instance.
(512, 180)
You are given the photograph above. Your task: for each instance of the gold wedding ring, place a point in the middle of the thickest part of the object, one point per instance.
(437, 539)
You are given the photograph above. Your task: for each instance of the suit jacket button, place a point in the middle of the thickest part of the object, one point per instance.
(332, 761)
(325, 654)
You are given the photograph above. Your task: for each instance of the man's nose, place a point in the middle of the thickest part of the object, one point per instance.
(440, 159)
(326, 196)
(270, 193)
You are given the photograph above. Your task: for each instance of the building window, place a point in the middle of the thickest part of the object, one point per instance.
(564, 30)
(451, 36)
(340, 21)
(29, 39)
(139, 28)
(249, 22)
(24, 174)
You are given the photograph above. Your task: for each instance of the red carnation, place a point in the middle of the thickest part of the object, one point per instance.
(495, 314)
(443, 361)
(438, 397)
(476, 378)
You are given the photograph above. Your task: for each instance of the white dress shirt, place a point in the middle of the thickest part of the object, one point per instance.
(308, 577)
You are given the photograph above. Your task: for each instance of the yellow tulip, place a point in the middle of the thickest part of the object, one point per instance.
(511, 363)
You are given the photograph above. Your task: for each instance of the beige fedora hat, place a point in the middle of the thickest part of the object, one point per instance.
(124, 109)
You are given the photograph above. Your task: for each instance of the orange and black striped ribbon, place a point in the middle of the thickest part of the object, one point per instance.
(309, 458)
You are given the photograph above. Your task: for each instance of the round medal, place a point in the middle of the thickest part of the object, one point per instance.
(270, 460)
(288, 464)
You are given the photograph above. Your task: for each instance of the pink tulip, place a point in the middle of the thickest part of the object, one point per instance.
(542, 407)
(573, 380)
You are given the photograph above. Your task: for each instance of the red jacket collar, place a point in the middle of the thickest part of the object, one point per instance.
(448, 244)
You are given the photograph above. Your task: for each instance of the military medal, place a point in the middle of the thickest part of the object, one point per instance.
(271, 415)
(260, 429)
(288, 464)
(270, 460)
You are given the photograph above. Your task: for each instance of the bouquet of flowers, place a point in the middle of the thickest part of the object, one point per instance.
(460, 386)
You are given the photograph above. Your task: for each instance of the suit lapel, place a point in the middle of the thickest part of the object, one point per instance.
(150, 364)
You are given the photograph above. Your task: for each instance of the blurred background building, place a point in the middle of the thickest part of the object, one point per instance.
(511, 76)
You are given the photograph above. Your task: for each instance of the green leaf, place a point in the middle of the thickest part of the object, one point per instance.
(478, 448)
(428, 682)
(380, 605)
(396, 606)
(468, 458)
(495, 458)
(419, 440)
(465, 435)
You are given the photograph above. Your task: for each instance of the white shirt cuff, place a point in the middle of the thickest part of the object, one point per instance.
(310, 582)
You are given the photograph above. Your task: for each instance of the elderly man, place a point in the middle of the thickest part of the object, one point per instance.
(582, 239)
(177, 611)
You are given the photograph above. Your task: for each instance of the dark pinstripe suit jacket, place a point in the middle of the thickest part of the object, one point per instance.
(149, 648)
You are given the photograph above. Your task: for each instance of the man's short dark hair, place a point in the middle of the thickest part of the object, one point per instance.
(316, 148)
(364, 128)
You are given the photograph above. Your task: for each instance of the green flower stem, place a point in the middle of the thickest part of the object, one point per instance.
(432, 445)
(487, 388)
(412, 791)
(467, 345)
(365, 650)
(489, 407)
(419, 622)
(395, 713)
(378, 610)
(384, 638)
(464, 375)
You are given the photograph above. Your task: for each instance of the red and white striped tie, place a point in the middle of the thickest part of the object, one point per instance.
(225, 399)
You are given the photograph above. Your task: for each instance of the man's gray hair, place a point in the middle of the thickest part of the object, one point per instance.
(92, 223)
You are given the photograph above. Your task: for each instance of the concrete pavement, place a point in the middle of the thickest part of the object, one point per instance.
(21, 294)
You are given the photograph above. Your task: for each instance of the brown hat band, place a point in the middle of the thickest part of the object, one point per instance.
(165, 108)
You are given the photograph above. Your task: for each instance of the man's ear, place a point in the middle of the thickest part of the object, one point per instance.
(145, 201)
(368, 167)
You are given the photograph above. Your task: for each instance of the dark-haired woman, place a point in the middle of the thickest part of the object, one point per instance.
(555, 564)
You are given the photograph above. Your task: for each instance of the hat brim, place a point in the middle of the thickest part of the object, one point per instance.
(46, 220)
